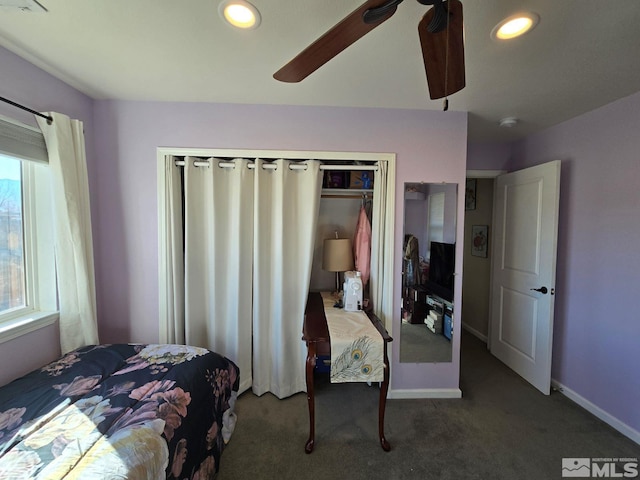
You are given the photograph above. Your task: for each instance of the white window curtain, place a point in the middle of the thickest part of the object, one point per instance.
(72, 224)
(248, 247)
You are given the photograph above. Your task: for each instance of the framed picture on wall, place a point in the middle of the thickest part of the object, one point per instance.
(479, 240)
(470, 194)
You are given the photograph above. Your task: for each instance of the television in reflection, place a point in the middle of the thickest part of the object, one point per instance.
(441, 269)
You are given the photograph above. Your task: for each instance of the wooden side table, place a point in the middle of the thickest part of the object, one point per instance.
(316, 335)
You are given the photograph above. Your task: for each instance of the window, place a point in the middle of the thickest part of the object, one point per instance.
(27, 272)
(12, 261)
(436, 219)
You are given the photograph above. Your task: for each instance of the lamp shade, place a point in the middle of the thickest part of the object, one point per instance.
(337, 255)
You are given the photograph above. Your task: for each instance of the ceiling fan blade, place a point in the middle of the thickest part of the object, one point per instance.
(439, 68)
(345, 33)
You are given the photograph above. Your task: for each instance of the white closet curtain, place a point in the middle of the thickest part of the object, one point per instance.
(218, 251)
(381, 231)
(286, 212)
(72, 222)
(173, 236)
(248, 246)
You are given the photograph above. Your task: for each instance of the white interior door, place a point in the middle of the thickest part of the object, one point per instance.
(524, 270)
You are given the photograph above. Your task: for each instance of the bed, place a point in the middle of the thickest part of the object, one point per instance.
(120, 411)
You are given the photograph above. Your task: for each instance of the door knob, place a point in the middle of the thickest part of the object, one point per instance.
(542, 290)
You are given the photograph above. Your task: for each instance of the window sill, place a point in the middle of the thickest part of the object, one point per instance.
(29, 323)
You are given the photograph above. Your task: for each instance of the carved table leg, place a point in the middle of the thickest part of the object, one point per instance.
(383, 402)
(311, 364)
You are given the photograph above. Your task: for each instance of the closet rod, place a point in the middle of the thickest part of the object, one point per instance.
(271, 166)
(10, 102)
(337, 195)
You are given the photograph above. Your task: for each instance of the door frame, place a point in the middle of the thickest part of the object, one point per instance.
(493, 174)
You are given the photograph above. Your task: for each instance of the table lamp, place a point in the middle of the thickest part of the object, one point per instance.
(337, 257)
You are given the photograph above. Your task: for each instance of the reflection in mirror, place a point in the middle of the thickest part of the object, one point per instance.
(428, 272)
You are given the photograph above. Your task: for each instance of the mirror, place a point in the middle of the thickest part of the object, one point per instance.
(428, 272)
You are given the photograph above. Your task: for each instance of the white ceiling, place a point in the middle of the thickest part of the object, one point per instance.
(583, 54)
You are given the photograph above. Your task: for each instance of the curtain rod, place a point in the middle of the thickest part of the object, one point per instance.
(49, 119)
(271, 166)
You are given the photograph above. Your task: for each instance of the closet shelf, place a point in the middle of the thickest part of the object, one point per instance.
(346, 192)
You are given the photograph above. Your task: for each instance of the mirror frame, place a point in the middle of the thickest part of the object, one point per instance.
(413, 333)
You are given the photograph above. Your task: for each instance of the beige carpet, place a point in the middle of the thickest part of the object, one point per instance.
(502, 428)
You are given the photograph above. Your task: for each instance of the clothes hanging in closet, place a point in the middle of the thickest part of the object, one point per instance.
(362, 246)
(411, 265)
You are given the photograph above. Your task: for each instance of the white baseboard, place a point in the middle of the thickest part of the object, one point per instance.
(475, 332)
(425, 393)
(620, 426)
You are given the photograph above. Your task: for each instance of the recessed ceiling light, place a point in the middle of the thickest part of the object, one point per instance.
(515, 25)
(240, 14)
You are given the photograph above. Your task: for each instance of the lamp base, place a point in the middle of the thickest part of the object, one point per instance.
(337, 294)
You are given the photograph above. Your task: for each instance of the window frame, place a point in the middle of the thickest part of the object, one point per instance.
(41, 307)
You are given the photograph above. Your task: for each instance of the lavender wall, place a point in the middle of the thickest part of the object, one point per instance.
(597, 313)
(430, 146)
(24, 83)
(488, 156)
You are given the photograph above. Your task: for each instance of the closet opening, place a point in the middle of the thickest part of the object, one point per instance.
(285, 226)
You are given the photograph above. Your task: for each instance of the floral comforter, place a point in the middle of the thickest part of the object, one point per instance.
(120, 412)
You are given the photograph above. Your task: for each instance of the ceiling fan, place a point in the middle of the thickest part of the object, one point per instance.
(441, 39)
